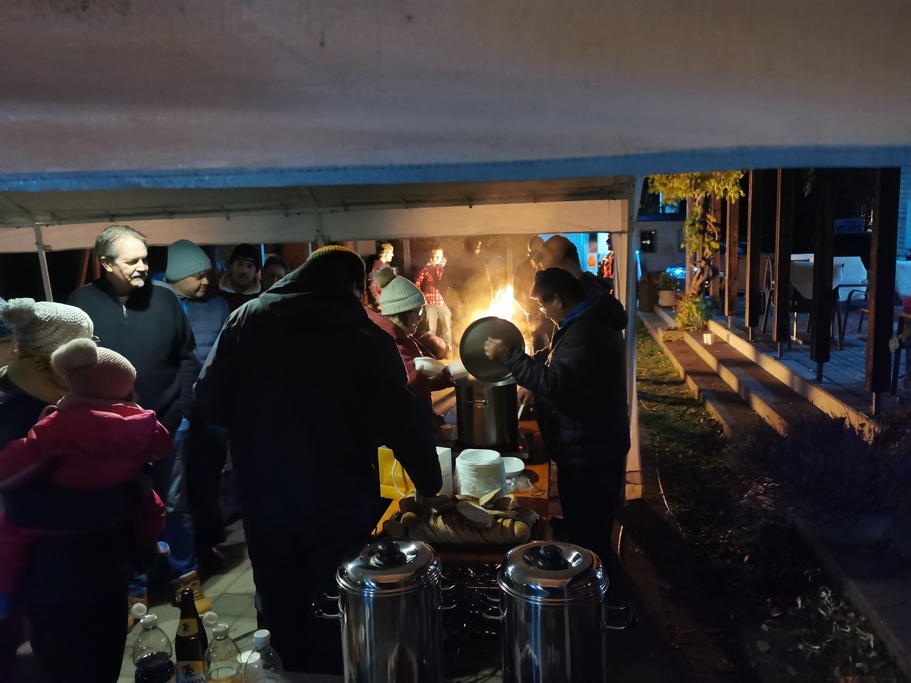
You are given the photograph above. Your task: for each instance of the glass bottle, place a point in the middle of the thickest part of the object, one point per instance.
(223, 657)
(263, 665)
(190, 642)
(152, 653)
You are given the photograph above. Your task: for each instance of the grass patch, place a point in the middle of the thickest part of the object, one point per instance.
(787, 621)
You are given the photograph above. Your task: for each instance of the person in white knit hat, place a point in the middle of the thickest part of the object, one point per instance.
(7, 340)
(402, 308)
(94, 438)
(28, 381)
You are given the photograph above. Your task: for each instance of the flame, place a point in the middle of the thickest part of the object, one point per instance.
(502, 305)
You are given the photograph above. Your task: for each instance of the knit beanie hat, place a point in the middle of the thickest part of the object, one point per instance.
(400, 295)
(5, 330)
(43, 326)
(245, 252)
(185, 259)
(93, 371)
(333, 268)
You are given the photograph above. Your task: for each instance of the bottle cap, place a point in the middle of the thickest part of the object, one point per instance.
(139, 610)
(248, 657)
(261, 638)
(148, 622)
(210, 618)
(219, 630)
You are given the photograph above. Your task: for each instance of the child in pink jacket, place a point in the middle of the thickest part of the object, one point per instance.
(94, 438)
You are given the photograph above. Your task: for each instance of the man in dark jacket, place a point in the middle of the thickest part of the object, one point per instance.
(240, 284)
(332, 389)
(580, 396)
(148, 326)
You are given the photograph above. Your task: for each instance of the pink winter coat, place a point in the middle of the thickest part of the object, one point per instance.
(86, 445)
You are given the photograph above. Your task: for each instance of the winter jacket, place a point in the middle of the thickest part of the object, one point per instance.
(154, 334)
(86, 445)
(206, 315)
(411, 347)
(237, 299)
(580, 391)
(308, 388)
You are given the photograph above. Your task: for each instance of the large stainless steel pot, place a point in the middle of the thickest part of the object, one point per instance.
(389, 604)
(552, 614)
(486, 413)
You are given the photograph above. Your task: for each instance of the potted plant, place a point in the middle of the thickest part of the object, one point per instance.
(667, 290)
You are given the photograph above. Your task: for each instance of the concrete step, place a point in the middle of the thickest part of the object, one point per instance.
(768, 397)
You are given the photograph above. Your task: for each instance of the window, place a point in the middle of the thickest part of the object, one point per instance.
(648, 241)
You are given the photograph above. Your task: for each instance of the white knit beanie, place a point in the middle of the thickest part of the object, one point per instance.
(93, 371)
(185, 259)
(400, 295)
(43, 326)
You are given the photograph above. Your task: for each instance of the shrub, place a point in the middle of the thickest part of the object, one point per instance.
(667, 282)
(824, 469)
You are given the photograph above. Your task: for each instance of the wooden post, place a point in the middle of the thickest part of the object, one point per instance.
(736, 216)
(824, 253)
(784, 228)
(719, 214)
(755, 221)
(881, 290)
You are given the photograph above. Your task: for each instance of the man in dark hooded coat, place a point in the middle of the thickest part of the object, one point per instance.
(331, 388)
(581, 401)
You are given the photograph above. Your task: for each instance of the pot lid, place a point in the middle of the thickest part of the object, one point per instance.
(471, 347)
(390, 565)
(552, 572)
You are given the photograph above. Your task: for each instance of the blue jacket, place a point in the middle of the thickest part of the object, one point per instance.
(580, 391)
(207, 316)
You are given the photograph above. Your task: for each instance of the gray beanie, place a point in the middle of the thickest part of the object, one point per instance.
(93, 371)
(5, 330)
(185, 259)
(400, 295)
(43, 326)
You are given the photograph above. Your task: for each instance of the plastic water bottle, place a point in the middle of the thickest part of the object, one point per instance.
(262, 665)
(222, 657)
(152, 652)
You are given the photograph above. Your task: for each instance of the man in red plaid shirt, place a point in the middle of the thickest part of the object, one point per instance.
(430, 282)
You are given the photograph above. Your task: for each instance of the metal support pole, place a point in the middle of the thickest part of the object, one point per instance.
(42, 261)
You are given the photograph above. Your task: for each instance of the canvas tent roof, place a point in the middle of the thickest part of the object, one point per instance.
(117, 108)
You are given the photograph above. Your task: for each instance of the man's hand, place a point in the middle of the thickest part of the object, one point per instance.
(525, 397)
(494, 348)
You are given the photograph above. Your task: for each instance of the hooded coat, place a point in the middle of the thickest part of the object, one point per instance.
(580, 391)
(308, 388)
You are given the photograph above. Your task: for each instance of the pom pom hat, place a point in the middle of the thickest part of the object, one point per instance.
(185, 259)
(400, 295)
(43, 326)
(93, 371)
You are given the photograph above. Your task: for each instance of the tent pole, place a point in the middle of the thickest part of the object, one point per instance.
(633, 461)
(42, 261)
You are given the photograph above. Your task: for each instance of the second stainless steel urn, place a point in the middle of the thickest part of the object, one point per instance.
(552, 614)
(389, 604)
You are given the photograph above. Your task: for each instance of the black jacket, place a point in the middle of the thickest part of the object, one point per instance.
(153, 333)
(580, 391)
(308, 388)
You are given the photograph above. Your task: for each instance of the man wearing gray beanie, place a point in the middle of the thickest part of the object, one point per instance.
(206, 448)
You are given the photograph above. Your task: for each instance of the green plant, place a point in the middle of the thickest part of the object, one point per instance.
(701, 236)
(826, 470)
(693, 313)
(666, 282)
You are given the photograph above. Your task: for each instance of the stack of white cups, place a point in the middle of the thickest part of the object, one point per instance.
(480, 471)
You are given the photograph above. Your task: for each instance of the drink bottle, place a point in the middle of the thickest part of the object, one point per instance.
(190, 642)
(262, 665)
(223, 657)
(152, 653)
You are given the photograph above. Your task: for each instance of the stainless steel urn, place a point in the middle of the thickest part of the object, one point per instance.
(389, 604)
(552, 614)
(486, 413)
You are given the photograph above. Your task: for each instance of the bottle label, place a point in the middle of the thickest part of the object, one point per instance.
(187, 627)
(191, 672)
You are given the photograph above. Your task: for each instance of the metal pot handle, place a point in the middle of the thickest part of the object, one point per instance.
(321, 599)
(444, 592)
(630, 619)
